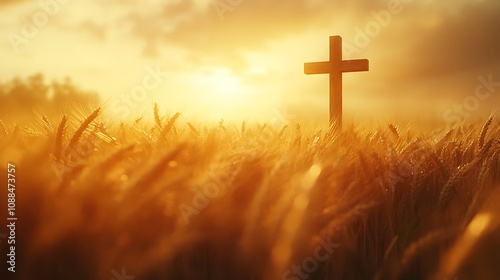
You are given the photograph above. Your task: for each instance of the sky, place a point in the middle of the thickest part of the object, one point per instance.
(244, 59)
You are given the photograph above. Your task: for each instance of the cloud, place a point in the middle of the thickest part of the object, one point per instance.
(457, 43)
(247, 26)
(434, 48)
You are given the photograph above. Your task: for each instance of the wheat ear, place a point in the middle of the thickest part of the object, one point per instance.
(47, 125)
(221, 125)
(59, 137)
(394, 130)
(444, 139)
(482, 136)
(243, 127)
(193, 129)
(157, 116)
(282, 131)
(169, 125)
(461, 173)
(79, 132)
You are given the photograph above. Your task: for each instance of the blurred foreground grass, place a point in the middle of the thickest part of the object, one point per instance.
(175, 200)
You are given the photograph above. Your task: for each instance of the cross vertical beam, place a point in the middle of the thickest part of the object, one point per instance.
(336, 80)
(336, 67)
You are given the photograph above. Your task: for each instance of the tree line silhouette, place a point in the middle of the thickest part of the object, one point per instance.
(19, 97)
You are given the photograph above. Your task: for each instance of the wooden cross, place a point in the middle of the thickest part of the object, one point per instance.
(335, 67)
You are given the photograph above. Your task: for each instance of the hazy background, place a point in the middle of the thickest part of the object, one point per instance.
(243, 60)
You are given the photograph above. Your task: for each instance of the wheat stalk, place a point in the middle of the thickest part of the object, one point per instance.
(243, 127)
(365, 165)
(282, 131)
(59, 137)
(462, 171)
(351, 213)
(169, 126)
(444, 139)
(193, 129)
(342, 202)
(478, 193)
(394, 130)
(431, 153)
(138, 120)
(469, 150)
(454, 179)
(482, 135)
(416, 248)
(484, 150)
(298, 129)
(115, 157)
(151, 175)
(47, 125)
(221, 125)
(262, 127)
(390, 247)
(79, 132)
(29, 130)
(157, 116)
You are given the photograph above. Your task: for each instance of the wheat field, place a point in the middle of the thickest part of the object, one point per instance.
(172, 199)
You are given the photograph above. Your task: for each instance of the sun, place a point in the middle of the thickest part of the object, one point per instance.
(224, 94)
(225, 87)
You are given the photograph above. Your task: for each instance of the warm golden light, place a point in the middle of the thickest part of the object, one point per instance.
(223, 88)
(189, 139)
(479, 224)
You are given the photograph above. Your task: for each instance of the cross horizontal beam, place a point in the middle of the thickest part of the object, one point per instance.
(325, 67)
(335, 68)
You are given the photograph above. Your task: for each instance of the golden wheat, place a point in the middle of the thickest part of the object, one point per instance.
(482, 135)
(193, 129)
(394, 130)
(156, 112)
(81, 129)
(254, 209)
(168, 127)
(59, 137)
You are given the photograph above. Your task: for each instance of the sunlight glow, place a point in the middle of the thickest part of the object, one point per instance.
(223, 94)
(479, 224)
(224, 86)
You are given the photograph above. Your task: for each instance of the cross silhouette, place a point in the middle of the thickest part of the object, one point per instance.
(335, 67)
